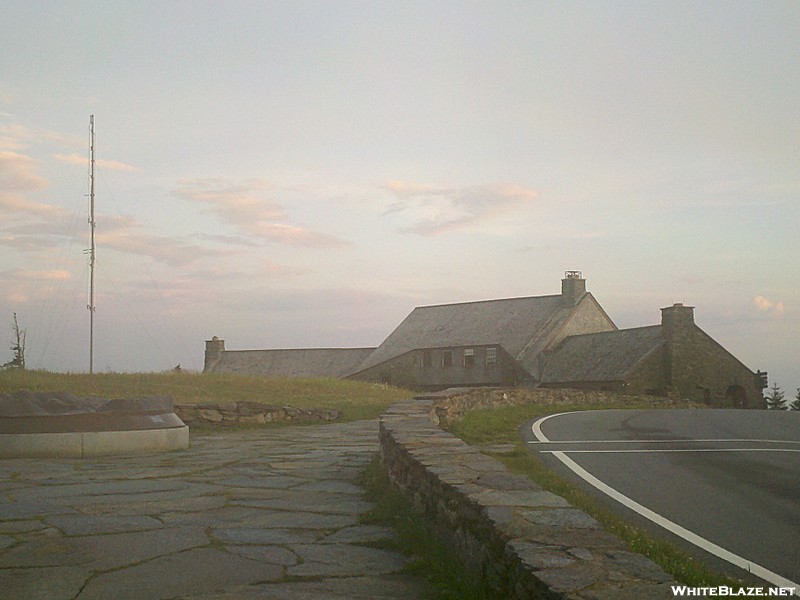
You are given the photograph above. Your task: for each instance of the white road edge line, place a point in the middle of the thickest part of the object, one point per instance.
(689, 536)
(660, 450)
(720, 440)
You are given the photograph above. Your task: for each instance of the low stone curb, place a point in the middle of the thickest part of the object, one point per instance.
(250, 412)
(524, 541)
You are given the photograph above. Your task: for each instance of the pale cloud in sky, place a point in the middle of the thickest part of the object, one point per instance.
(242, 205)
(20, 206)
(83, 161)
(18, 172)
(126, 234)
(13, 136)
(765, 305)
(228, 240)
(22, 285)
(22, 217)
(164, 249)
(45, 275)
(436, 210)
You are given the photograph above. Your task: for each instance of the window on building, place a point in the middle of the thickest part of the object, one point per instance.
(469, 357)
(491, 356)
(447, 359)
(427, 360)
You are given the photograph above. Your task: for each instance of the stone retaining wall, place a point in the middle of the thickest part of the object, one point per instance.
(453, 404)
(524, 541)
(249, 412)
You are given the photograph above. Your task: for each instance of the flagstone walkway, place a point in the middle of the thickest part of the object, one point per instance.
(269, 513)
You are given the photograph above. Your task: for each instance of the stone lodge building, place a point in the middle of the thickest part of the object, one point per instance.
(563, 340)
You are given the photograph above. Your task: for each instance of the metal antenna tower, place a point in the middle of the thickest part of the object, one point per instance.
(92, 249)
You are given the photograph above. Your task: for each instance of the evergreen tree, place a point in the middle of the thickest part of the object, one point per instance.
(795, 404)
(776, 399)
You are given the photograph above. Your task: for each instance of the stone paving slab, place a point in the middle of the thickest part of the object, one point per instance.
(270, 513)
(381, 587)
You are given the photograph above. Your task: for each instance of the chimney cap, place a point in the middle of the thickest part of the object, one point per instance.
(573, 275)
(679, 306)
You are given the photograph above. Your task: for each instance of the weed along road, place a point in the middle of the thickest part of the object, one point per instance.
(724, 483)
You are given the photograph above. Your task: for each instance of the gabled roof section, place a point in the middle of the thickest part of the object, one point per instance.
(307, 362)
(510, 323)
(607, 356)
(554, 330)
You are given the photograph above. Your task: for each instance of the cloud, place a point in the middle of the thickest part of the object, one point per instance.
(56, 274)
(13, 136)
(17, 172)
(113, 165)
(239, 204)
(230, 240)
(19, 286)
(437, 210)
(18, 178)
(775, 309)
(168, 250)
(19, 205)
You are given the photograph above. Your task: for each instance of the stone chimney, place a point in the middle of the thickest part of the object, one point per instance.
(573, 287)
(214, 349)
(677, 323)
(676, 317)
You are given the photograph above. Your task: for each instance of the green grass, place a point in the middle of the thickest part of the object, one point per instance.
(431, 559)
(496, 426)
(500, 425)
(354, 399)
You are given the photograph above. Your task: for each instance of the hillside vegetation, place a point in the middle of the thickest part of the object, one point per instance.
(355, 400)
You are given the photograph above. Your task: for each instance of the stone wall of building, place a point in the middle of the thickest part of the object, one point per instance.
(408, 371)
(224, 413)
(478, 371)
(588, 317)
(400, 371)
(523, 541)
(648, 376)
(708, 372)
(699, 368)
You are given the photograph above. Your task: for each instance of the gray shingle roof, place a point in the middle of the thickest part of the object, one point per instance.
(308, 362)
(510, 323)
(608, 356)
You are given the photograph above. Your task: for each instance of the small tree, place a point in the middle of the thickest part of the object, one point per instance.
(776, 399)
(18, 347)
(795, 404)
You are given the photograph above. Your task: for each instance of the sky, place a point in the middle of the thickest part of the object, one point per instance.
(303, 174)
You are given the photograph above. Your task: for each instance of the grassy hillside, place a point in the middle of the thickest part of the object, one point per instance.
(355, 400)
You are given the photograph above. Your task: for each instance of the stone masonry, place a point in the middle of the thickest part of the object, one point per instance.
(257, 513)
(524, 541)
(243, 412)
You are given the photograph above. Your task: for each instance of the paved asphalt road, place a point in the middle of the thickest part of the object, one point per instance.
(728, 480)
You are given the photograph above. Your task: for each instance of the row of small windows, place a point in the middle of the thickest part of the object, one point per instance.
(468, 358)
